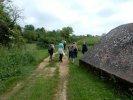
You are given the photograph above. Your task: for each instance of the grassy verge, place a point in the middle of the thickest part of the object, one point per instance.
(41, 87)
(25, 70)
(84, 85)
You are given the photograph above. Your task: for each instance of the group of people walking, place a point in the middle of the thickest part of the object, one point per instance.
(72, 49)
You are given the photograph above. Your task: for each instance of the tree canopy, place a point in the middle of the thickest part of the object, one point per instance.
(9, 32)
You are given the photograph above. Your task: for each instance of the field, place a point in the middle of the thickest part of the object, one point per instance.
(33, 83)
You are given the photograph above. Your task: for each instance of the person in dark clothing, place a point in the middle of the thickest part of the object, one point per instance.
(74, 52)
(64, 43)
(84, 48)
(70, 51)
(51, 51)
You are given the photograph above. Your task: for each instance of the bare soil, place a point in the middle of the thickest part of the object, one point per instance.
(62, 86)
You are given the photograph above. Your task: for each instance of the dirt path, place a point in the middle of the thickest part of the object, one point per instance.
(19, 85)
(61, 93)
(62, 86)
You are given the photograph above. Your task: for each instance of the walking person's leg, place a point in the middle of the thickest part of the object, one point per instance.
(51, 56)
(64, 46)
(61, 57)
(74, 56)
(73, 59)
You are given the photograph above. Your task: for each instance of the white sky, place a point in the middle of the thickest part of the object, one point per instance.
(93, 17)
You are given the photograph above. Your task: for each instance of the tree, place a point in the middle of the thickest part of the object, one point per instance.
(4, 33)
(40, 30)
(89, 35)
(30, 35)
(14, 12)
(1, 1)
(29, 27)
(8, 30)
(66, 31)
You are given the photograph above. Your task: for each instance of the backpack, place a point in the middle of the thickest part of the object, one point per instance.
(51, 47)
(71, 48)
(75, 49)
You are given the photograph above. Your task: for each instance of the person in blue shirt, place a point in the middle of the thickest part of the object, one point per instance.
(61, 45)
(61, 51)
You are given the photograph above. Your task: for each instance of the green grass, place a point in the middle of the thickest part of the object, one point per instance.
(24, 70)
(39, 88)
(54, 60)
(84, 85)
(89, 40)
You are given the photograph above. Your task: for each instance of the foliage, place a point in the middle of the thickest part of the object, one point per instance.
(4, 33)
(43, 42)
(30, 36)
(12, 34)
(4, 24)
(72, 39)
(29, 27)
(9, 32)
(42, 30)
(49, 37)
(13, 60)
(43, 37)
(15, 64)
(66, 31)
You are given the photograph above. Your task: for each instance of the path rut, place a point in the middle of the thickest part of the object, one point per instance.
(62, 86)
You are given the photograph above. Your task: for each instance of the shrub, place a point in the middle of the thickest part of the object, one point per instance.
(12, 60)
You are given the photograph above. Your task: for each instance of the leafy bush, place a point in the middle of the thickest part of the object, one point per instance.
(47, 39)
(11, 61)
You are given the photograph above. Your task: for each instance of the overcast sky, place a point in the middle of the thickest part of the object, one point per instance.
(84, 16)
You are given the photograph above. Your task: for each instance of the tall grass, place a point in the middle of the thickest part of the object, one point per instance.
(18, 62)
(12, 60)
(42, 87)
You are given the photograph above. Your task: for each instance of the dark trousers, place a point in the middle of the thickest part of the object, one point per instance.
(60, 57)
(70, 54)
(64, 46)
(51, 56)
